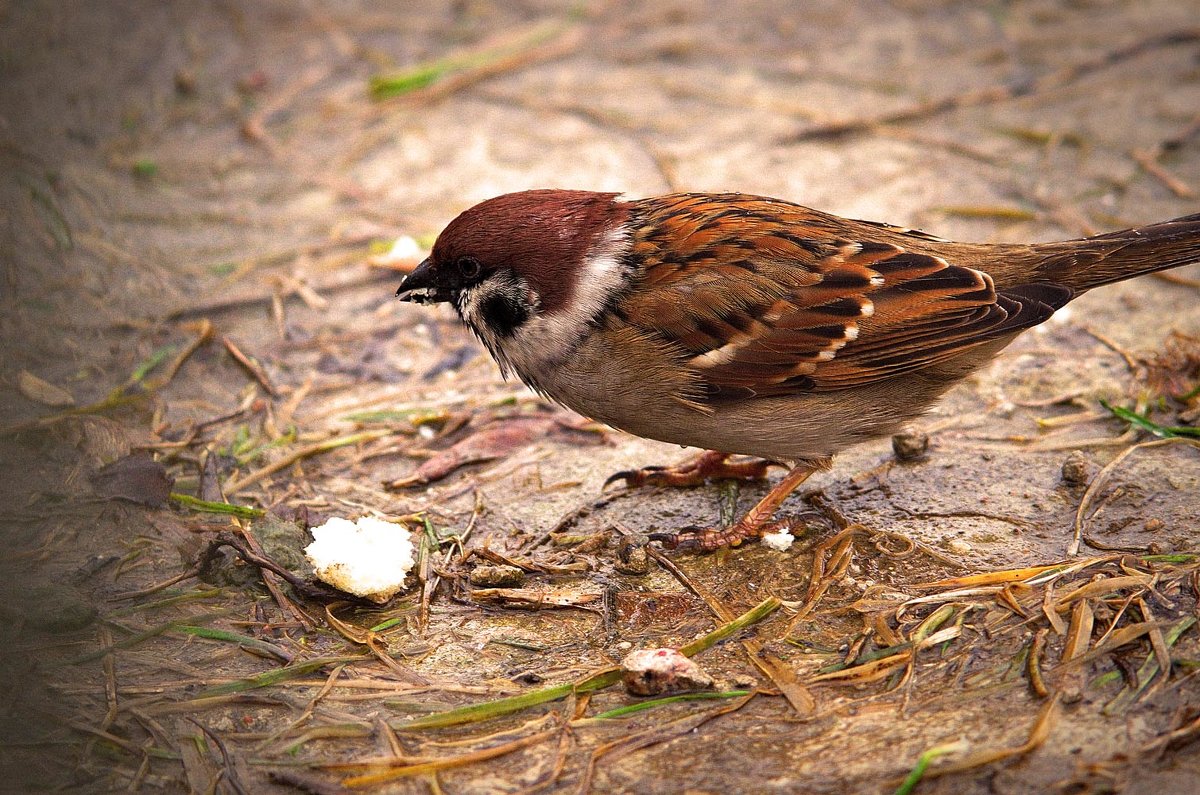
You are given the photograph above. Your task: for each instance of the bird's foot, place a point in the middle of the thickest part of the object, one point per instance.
(710, 539)
(709, 465)
(755, 524)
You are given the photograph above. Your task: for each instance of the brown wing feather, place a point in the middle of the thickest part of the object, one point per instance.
(762, 297)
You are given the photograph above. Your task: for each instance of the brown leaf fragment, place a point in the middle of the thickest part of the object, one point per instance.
(44, 392)
(99, 440)
(497, 440)
(134, 478)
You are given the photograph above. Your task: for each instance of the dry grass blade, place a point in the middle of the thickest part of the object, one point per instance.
(1102, 478)
(879, 666)
(365, 637)
(1028, 574)
(1034, 664)
(826, 573)
(780, 674)
(1079, 634)
(1157, 641)
(1102, 587)
(315, 448)
(1042, 727)
(1115, 640)
(597, 680)
(1148, 670)
(404, 769)
(437, 79)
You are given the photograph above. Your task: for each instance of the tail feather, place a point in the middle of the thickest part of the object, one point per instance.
(1116, 256)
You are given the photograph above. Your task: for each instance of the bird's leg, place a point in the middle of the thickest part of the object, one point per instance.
(709, 465)
(754, 524)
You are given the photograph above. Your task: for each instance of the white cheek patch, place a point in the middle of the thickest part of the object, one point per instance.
(551, 337)
(537, 347)
(471, 303)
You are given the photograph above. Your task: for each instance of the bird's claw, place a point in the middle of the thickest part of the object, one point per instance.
(633, 477)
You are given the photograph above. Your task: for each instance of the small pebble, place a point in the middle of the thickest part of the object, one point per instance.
(1076, 469)
(185, 83)
(649, 672)
(910, 445)
(1154, 525)
(632, 557)
(500, 576)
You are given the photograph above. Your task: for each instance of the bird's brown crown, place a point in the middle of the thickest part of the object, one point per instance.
(541, 235)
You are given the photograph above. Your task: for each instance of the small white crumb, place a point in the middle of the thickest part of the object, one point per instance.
(368, 557)
(780, 542)
(958, 546)
(1062, 315)
(404, 248)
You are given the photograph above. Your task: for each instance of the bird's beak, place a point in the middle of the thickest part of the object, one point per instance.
(421, 286)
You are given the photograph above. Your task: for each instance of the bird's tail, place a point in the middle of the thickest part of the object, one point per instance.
(1113, 257)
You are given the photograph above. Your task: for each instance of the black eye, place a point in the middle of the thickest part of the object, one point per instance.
(468, 267)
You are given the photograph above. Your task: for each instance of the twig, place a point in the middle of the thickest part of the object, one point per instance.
(230, 770)
(303, 452)
(192, 572)
(269, 573)
(367, 277)
(1148, 160)
(1102, 478)
(998, 93)
(252, 367)
(1130, 360)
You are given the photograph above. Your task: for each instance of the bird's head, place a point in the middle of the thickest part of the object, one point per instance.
(513, 258)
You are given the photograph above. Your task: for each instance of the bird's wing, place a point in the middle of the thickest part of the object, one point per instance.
(762, 297)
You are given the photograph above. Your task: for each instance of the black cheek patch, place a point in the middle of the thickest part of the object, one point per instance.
(503, 314)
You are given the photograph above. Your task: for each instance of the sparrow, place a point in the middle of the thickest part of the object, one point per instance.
(748, 325)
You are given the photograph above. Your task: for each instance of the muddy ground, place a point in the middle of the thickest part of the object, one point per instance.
(186, 181)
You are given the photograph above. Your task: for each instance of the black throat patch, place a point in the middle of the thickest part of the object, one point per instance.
(504, 313)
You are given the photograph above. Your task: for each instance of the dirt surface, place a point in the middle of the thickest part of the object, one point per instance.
(186, 181)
